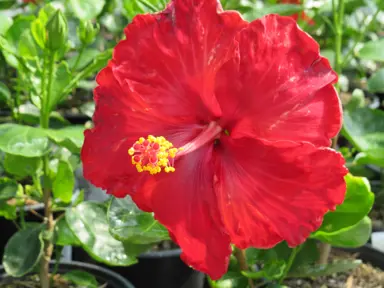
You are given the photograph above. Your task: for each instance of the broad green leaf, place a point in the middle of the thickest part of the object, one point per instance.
(64, 182)
(134, 7)
(81, 278)
(88, 221)
(23, 251)
(281, 9)
(71, 137)
(7, 211)
(129, 223)
(85, 58)
(350, 237)
(61, 79)
(324, 270)
(364, 128)
(230, 280)
(357, 204)
(21, 166)
(272, 270)
(376, 82)
(8, 188)
(5, 94)
(27, 47)
(23, 140)
(329, 54)
(64, 235)
(86, 9)
(5, 23)
(372, 50)
(6, 4)
(38, 25)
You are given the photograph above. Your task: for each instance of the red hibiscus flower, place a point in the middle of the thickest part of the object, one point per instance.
(220, 127)
(302, 15)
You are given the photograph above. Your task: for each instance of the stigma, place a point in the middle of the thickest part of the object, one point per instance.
(153, 155)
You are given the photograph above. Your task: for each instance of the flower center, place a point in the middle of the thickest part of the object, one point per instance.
(156, 154)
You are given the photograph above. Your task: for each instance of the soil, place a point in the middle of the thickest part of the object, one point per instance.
(364, 276)
(33, 282)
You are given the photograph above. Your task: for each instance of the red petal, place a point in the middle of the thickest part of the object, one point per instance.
(268, 192)
(279, 88)
(106, 162)
(184, 202)
(169, 60)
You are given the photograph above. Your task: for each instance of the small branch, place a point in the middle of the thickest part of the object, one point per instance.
(41, 217)
(241, 259)
(324, 250)
(291, 259)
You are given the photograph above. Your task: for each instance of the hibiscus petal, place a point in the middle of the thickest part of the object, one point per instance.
(273, 191)
(184, 202)
(279, 87)
(105, 158)
(168, 60)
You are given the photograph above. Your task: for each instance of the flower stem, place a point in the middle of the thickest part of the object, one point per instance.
(48, 215)
(242, 260)
(81, 52)
(292, 258)
(338, 20)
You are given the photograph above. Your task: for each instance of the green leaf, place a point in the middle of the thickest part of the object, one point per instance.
(23, 140)
(364, 128)
(81, 278)
(129, 223)
(86, 57)
(27, 47)
(6, 4)
(21, 166)
(8, 188)
(324, 270)
(64, 182)
(61, 79)
(351, 237)
(376, 82)
(38, 25)
(5, 23)
(71, 137)
(272, 270)
(372, 50)
(64, 235)
(86, 9)
(5, 94)
(23, 251)
(7, 211)
(88, 221)
(230, 280)
(281, 9)
(357, 204)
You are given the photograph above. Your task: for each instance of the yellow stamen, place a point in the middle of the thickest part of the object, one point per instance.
(154, 154)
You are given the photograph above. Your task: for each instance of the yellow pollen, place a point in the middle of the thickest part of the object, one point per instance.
(153, 155)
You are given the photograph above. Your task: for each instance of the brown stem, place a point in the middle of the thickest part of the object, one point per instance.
(241, 259)
(325, 248)
(48, 246)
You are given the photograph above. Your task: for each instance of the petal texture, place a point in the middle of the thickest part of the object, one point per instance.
(268, 192)
(169, 60)
(184, 202)
(279, 87)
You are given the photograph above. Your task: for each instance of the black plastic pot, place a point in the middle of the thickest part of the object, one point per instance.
(370, 255)
(102, 275)
(155, 270)
(8, 228)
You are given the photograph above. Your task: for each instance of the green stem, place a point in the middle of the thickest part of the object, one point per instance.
(360, 38)
(44, 123)
(81, 52)
(242, 261)
(292, 258)
(338, 21)
(58, 251)
(22, 216)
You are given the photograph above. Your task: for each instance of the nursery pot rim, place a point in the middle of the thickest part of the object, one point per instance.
(77, 265)
(161, 254)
